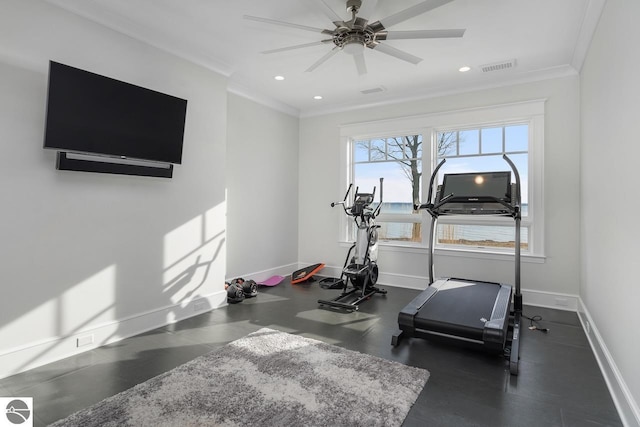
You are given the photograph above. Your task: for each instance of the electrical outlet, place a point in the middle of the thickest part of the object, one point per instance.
(562, 302)
(86, 340)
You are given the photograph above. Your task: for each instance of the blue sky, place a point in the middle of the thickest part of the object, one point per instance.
(397, 187)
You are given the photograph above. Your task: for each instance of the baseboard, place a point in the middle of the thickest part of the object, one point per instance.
(33, 355)
(623, 399)
(556, 300)
(626, 405)
(384, 279)
(283, 270)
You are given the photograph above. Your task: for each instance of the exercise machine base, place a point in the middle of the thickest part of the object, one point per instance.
(349, 300)
(511, 350)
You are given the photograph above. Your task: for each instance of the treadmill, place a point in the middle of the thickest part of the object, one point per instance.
(485, 315)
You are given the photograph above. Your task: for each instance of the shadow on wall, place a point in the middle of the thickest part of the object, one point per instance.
(185, 278)
(87, 258)
(107, 292)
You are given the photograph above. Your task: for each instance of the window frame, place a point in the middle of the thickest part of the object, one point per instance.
(526, 222)
(407, 218)
(529, 112)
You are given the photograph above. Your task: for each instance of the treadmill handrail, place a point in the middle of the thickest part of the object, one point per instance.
(434, 209)
(517, 299)
(514, 210)
(451, 198)
(433, 177)
(517, 175)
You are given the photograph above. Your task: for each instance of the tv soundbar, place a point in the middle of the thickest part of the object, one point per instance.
(85, 163)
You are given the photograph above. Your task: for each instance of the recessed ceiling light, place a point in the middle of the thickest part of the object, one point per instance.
(317, 97)
(464, 69)
(279, 77)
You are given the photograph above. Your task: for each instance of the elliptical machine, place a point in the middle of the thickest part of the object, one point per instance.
(362, 268)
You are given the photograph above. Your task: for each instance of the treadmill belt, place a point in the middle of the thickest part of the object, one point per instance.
(460, 308)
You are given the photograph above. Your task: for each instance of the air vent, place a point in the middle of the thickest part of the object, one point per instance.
(372, 90)
(497, 66)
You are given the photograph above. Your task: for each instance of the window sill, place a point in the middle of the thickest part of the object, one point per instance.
(417, 248)
(487, 254)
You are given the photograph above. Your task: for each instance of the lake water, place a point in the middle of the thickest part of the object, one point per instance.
(403, 231)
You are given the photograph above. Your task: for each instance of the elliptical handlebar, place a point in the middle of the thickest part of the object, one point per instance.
(356, 201)
(333, 204)
(377, 210)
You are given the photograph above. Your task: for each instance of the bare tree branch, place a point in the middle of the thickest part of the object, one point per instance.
(407, 151)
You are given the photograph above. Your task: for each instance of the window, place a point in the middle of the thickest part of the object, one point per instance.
(480, 150)
(404, 151)
(398, 160)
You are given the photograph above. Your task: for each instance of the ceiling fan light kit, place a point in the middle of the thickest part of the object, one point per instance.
(354, 35)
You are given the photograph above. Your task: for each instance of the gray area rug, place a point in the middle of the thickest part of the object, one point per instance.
(268, 378)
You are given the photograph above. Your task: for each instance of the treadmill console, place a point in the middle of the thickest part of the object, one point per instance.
(480, 193)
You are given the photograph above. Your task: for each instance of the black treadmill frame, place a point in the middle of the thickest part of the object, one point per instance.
(505, 338)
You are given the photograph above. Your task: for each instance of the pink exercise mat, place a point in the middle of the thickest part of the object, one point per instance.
(271, 281)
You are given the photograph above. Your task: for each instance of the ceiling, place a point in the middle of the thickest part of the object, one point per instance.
(540, 39)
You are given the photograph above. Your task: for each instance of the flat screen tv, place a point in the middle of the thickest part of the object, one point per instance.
(90, 113)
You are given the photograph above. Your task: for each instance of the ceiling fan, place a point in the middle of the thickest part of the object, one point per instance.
(354, 35)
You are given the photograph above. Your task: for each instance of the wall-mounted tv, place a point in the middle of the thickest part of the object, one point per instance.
(90, 113)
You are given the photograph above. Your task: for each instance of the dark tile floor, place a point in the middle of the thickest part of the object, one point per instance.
(559, 383)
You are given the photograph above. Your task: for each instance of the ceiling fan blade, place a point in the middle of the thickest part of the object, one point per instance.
(400, 54)
(288, 24)
(361, 66)
(298, 46)
(330, 12)
(368, 8)
(418, 9)
(420, 34)
(323, 59)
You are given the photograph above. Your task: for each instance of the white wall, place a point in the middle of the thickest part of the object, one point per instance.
(320, 184)
(610, 289)
(108, 255)
(95, 254)
(262, 190)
